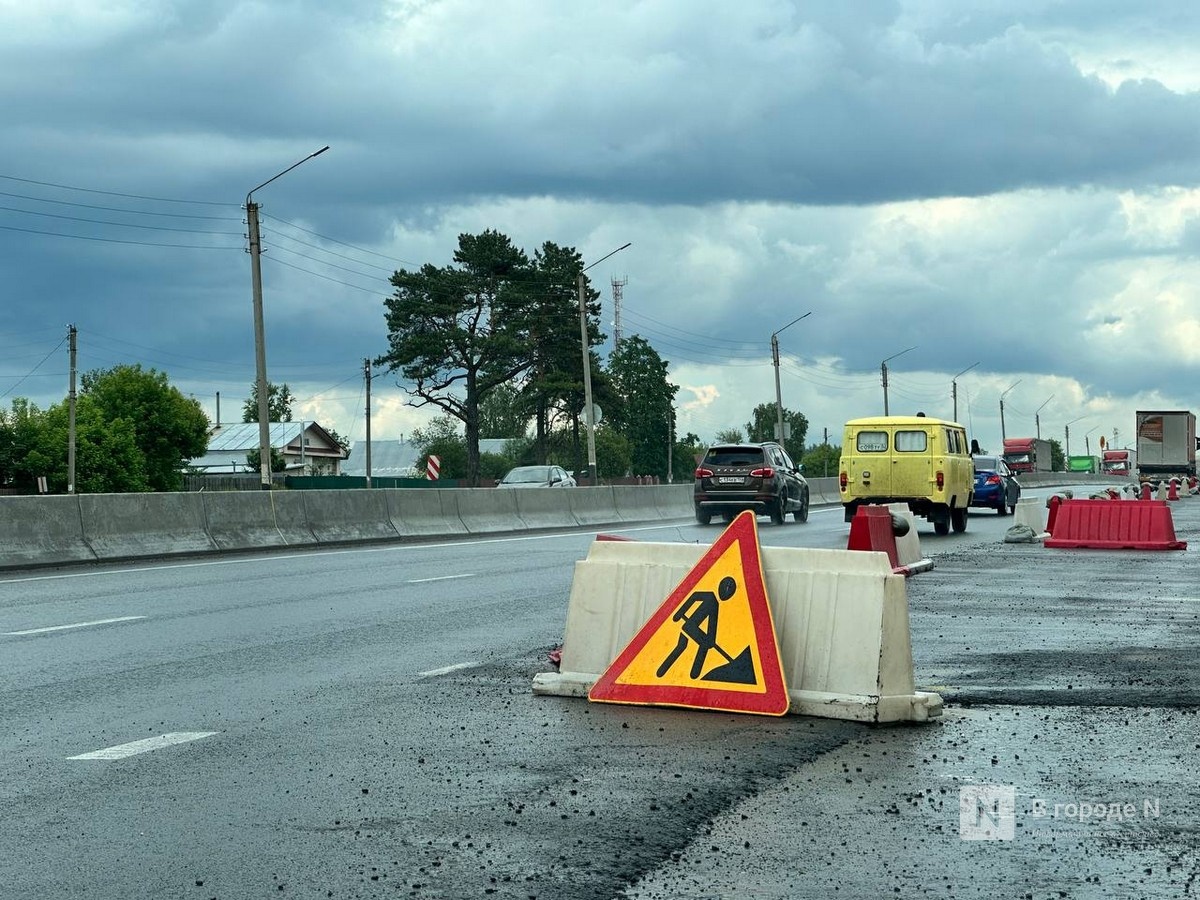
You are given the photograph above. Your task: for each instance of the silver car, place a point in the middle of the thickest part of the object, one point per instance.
(537, 477)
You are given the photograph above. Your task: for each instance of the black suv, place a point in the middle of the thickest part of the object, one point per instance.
(761, 477)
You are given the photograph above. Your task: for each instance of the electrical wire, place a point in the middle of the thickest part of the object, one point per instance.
(35, 368)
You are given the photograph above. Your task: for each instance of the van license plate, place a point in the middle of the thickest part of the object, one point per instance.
(727, 479)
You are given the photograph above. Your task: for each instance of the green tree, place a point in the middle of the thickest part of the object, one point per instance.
(555, 375)
(764, 422)
(613, 453)
(170, 428)
(647, 413)
(729, 436)
(279, 403)
(440, 438)
(821, 460)
(1058, 459)
(504, 413)
(278, 463)
(458, 332)
(107, 457)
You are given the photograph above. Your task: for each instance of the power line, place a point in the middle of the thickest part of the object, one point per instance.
(34, 369)
(84, 237)
(120, 209)
(29, 212)
(67, 187)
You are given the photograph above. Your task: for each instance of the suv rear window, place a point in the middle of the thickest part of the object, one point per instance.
(912, 441)
(734, 456)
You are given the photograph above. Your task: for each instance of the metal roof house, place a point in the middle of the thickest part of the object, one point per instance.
(307, 448)
(389, 459)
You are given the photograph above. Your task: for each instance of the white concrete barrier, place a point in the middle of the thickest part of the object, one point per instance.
(483, 511)
(291, 518)
(635, 503)
(549, 508)
(1031, 511)
(841, 620)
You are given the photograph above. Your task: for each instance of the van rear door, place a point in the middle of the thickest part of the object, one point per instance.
(870, 462)
(912, 462)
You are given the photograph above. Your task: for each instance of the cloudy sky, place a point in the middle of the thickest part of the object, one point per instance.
(1006, 187)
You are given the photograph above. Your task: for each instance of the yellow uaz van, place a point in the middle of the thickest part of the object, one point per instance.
(917, 460)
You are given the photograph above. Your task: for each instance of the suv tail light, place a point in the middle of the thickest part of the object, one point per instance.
(843, 480)
(941, 480)
(702, 472)
(764, 472)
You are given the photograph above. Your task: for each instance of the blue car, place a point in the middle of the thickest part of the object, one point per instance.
(995, 485)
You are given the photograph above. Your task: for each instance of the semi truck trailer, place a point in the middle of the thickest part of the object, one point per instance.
(1166, 444)
(1027, 455)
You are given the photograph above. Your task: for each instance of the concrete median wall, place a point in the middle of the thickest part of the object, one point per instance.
(61, 530)
(132, 526)
(337, 517)
(42, 531)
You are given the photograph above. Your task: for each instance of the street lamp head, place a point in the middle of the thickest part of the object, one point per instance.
(964, 371)
(285, 171)
(1009, 388)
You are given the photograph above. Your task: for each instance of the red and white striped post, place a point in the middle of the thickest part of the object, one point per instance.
(433, 467)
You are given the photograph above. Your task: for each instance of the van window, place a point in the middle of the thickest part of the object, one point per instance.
(911, 441)
(952, 441)
(872, 441)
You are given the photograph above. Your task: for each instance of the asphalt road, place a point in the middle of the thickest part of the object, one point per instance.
(360, 723)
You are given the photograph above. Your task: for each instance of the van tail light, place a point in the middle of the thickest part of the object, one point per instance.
(941, 480)
(764, 472)
(843, 480)
(993, 479)
(702, 472)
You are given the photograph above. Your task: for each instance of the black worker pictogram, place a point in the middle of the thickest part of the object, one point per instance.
(698, 616)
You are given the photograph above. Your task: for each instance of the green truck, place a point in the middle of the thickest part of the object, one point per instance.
(1083, 464)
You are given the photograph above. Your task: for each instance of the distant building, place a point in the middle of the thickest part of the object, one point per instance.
(307, 448)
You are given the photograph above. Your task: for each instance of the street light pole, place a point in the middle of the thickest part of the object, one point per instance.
(1067, 436)
(1038, 422)
(260, 348)
(1003, 433)
(883, 370)
(775, 358)
(1087, 444)
(588, 412)
(954, 387)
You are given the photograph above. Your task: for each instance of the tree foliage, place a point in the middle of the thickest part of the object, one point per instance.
(821, 460)
(646, 414)
(279, 403)
(764, 422)
(730, 436)
(504, 413)
(169, 428)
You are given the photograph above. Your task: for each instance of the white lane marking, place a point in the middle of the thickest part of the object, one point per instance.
(445, 670)
(438, 578)
(76, 625)
(120, 751)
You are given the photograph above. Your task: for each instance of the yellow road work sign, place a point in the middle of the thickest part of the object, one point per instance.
(711, 644)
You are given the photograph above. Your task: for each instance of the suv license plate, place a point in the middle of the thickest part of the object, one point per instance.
(729, 479)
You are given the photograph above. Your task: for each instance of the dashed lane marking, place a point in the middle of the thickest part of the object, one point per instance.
(68, 627)
(120, 751)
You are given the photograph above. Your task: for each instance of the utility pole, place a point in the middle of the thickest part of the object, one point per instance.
(775, 361)
(883, 371)
(1003, 433)
(218, 409)
(367, 377)
(589, 414)
(71, 333)
(260, 349)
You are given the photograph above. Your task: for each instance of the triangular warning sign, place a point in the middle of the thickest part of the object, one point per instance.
(711, 645)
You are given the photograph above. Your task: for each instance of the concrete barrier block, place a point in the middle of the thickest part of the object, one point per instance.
(133, 526)
(841, 619)
(486, 510)
(1031, 512)
(241, 520)
(423, 512)
(593, 505)
(336, 516)
(636, 503)
(550, 508)
(41, 531)
(291, 518)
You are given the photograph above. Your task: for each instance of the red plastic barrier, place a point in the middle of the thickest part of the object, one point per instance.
(871, 529)
(1101, 525)
(1146, 495)
(1052, 504)
(1173, 489)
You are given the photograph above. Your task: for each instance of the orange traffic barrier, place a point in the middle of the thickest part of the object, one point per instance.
(1052, 504)
(1101, 525)
(871, 529)
(1173, 490)
(1146, 491)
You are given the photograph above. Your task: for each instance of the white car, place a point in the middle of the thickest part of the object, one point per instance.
(537, 477)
